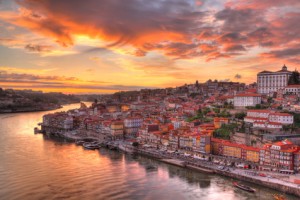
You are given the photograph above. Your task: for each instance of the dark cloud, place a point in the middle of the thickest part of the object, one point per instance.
(240, 20)
(238, 76)
(15, 80)
(38, 48)
(119, 21)
(140, 53)
(232, 37)
(5, 76)
(285, 53)
(176, 28)
(234, 48)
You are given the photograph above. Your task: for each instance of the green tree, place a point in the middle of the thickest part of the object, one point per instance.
(205, 110)
(294, 78)
(135, 144)
(240, 115)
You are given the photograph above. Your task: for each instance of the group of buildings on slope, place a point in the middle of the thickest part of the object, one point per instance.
(193, 120)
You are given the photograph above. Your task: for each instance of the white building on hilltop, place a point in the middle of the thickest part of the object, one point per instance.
(246, 99)
(269, 82)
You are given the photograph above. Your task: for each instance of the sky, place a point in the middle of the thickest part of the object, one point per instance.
(104, 46)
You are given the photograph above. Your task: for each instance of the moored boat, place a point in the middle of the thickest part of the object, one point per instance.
(151, 167)
(243, 187)
(279, 197)
(79, 142)
(90, 146)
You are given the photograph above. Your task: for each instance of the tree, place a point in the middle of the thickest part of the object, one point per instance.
(205, 110)
(240, 115)
(294, 78)
(135, 144)
(197, 83)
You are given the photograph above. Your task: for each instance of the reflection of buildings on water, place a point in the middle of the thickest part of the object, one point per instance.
(190, 176)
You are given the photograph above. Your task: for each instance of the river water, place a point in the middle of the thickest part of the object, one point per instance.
(35, 167)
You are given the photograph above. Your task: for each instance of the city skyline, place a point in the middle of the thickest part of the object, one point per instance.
(107, 46)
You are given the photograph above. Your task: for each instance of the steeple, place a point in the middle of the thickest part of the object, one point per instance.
(284, 68)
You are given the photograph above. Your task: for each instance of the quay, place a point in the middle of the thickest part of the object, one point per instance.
(200, 166)
(175, 162)
(200, 169)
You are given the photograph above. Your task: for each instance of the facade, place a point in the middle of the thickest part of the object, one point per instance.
(219, 121)
(297, 161)
(269, 82)
(268, 119)
(278, 156)
(132, 125)
(233, 150)
(246, 99)
(117, 131)
(292, 89)
(58, 120)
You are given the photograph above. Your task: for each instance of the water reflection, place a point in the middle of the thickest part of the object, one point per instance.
(38, 167)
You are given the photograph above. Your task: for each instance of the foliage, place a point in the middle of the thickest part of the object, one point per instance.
(240, 115)
(205, 110)
(224, 113)
(294, 78)
(197, 83)
(199, 115)
(193, 95)
(228, 105)
(216, 110)
(225, 131)
(258, 106)
(135, 144)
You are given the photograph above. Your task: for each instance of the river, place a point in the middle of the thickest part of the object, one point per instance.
(36, 167)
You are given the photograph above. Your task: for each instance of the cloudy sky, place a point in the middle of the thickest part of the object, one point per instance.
(102, 46)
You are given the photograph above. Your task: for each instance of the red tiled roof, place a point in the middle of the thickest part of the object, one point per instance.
(248, 95)
(256, 118)
(293, 86)
(261, 111)
(282, 114)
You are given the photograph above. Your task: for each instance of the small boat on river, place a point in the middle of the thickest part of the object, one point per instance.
(243, 187)
(90, 146)
(79, 142)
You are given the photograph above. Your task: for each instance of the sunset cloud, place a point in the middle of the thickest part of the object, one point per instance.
(156, 42)
(27, 81)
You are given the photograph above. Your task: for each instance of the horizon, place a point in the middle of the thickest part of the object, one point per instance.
(102, 47)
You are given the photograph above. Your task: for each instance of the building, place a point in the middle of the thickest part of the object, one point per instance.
(278, 156)
(269, 82)
(268, 119)
(132, 125)
(58, 120)
(117, 131)
(234, 150)
(246, 99)
(219, 121)
(292, 89)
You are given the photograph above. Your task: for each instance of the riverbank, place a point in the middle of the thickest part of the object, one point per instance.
(204, 166)
(24, 110)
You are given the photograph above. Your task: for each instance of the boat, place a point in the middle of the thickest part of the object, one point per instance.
(151, 167)
(243, 187)
(79, 142)
(127, 148)
(90, 146)
(279, 197)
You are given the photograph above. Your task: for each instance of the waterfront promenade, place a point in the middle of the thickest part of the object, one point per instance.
(272, 180)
